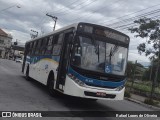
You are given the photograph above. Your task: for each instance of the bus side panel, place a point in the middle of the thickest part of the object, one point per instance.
(46, 65)
(40, 69)
(32, 69)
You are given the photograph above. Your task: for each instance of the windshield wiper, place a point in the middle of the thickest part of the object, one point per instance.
(111, 53)
(97, 48)
(98, 52)
(114, 50)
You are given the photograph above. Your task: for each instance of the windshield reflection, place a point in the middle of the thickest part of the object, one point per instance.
(96, 55)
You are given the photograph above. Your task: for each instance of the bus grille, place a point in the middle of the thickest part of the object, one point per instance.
(100, 86)
(103, 77)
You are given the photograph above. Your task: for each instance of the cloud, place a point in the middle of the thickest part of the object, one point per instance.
(32, 15)
(133, 56)
(19, 35)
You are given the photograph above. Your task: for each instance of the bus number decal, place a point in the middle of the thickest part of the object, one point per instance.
(89, 80)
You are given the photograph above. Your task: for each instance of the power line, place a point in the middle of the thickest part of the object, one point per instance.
(138, 16)
(10, 7)
(132, 13)
(124, 26)
(66, 13)
(66, 6)
(113, 7)
(89, 15)
(124, 15)
(94, 10)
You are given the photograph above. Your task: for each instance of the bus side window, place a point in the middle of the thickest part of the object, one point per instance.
(41, 46)
(56, 49)
(60, 38)
(27, 49)
(58, 44)
(38, 46)
(34, 47)
(30, 48)
(44, 45)
(49, 46)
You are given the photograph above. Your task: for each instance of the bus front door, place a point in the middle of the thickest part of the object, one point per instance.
(62, 68)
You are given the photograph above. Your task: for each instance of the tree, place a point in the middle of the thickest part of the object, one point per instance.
(150, 28)
(131, 71)
(147, 28)
(150, 72)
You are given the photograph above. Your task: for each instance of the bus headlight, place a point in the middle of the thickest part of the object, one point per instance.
(76, 80)
(119, 88)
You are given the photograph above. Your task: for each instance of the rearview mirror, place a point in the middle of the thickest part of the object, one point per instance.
(76, 60)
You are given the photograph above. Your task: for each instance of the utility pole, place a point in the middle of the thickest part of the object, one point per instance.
(55, 20)
(156, 74)
(157, 69)
(157, 63)
(151, 69)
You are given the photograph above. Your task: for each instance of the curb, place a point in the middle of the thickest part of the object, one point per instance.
(141, 103)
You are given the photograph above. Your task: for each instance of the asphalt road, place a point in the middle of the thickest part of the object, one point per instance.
(18, 94)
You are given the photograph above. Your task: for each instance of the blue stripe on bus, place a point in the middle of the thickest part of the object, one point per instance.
(97, 82)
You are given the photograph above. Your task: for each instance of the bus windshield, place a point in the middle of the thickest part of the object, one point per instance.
(97, 55)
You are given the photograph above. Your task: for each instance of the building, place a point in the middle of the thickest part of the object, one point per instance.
(17, 51)
(5, 44)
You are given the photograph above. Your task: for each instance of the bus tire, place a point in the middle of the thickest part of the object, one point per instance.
(27, 74)
(50, 85)
(93, 100)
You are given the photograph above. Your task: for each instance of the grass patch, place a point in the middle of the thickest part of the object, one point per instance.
(127, 94)
(144, 86)
(149, 101)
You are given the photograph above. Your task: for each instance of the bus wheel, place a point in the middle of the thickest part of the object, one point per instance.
(90, 100)
(27, 74)
(93, 100)
(51, 86)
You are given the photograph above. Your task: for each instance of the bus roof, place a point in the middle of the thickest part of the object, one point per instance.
(56, 31)
(73, 25)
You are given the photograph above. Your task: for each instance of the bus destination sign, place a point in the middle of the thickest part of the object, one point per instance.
(111, 34)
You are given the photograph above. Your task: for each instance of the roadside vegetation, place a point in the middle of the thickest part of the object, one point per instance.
(143, 86)
(145, 80)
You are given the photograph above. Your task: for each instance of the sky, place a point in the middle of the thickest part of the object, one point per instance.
(19, 17)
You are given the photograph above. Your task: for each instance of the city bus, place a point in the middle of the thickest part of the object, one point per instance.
(83, 60)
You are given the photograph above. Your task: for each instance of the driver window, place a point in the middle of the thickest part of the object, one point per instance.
(77, 53)
(77, 48)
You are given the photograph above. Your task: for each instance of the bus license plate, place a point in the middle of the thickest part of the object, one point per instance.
(101, 94)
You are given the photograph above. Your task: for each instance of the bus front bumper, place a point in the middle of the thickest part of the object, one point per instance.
(73, 89)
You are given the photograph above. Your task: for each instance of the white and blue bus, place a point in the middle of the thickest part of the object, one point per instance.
(83, 60)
